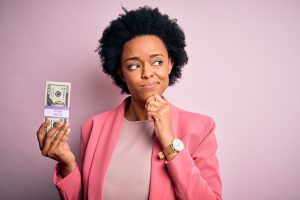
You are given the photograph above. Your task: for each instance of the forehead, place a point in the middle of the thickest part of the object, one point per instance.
(144, 46)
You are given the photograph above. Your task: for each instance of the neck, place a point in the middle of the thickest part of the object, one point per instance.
(135, 110)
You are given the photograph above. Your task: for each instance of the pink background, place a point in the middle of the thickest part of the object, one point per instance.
(243, 70)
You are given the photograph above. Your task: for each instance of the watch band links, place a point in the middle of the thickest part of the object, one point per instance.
(166, 152)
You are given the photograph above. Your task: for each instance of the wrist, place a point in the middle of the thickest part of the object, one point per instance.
(166, 140)
(171, 156)
(65, 169)
(170, 152)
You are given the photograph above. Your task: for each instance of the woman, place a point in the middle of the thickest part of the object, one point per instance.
(145, 148)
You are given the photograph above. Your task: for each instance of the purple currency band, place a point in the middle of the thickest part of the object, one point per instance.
(56, 112)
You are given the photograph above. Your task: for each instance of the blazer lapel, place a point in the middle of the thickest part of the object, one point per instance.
(103, 152)
(160, 184)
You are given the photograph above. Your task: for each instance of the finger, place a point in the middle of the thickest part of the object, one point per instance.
(151, 116)
(42, 132)
(152, 102)
(151, 98)
(151, 108)
(68, 131)
(156, 115)
(54, 130)
(159, 98)
(62, 141)
(49, 137)
(155, 98)
(150, 119)
(58, 137)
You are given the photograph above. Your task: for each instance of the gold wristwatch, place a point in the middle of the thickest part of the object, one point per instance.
(175, 146)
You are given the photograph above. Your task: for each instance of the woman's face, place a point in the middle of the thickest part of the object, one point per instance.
(145, 66)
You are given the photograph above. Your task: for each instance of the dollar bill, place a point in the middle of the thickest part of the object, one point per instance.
(57, 102)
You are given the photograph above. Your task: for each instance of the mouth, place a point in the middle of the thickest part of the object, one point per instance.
(150, 85)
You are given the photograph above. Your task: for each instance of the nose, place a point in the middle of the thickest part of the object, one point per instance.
(146, 72)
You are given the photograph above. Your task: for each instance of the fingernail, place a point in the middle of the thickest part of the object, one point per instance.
(47, 123)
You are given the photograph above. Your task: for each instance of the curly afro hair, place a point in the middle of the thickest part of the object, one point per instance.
(143, 21)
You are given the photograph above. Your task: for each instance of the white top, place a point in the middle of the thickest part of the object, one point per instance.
(128, 174)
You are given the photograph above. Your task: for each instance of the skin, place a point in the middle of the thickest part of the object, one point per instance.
(54, 145)
(145, 60)
(145, 67)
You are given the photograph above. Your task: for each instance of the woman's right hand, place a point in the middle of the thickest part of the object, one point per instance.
(53, 144)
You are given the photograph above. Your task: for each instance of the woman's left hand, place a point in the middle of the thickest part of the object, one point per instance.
(159, 111)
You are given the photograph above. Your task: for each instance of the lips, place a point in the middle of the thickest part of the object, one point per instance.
(150, 85)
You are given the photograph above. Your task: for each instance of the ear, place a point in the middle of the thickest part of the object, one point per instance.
(120, 73)
(170, 66)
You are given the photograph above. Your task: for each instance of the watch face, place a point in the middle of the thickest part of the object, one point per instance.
(178, 144)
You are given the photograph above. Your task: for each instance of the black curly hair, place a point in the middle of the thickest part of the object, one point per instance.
(142, 21)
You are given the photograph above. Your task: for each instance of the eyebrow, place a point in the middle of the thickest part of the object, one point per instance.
(137, 58)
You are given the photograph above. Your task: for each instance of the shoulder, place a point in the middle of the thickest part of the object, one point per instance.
(92, 124)
(192, 118)
(193, 128)
(96, 122)
(95, 119)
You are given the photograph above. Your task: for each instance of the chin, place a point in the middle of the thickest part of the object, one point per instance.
(146, 95)
(143, 95)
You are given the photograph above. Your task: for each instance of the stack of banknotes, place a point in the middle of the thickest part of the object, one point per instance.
(57, 102)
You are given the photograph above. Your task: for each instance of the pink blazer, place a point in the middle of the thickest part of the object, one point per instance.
(192, 174)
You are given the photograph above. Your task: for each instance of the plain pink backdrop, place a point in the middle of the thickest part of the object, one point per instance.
(243, 57)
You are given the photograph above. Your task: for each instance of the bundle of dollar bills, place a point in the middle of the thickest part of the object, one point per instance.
(57, 102)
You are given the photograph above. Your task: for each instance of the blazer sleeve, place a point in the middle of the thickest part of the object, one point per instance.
(70, 187)
(195, 175)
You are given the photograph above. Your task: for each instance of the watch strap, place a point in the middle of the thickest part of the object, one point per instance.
(169, 150)
(166, 152)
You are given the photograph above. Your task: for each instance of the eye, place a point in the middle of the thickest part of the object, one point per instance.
(158, 62)
(133, 66)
